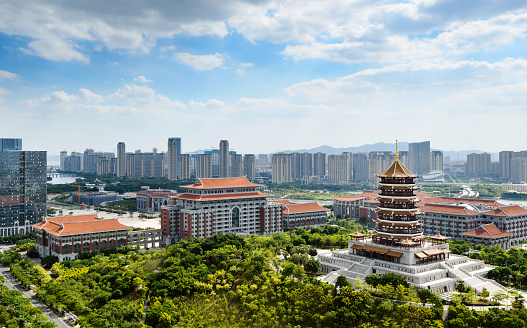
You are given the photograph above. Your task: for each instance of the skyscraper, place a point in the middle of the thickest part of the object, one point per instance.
(204, 166)
(63, 155)
(224, 158)
(419, 157)
(236, 169)
(478, 165)
(184, 167)
(22, 190)
(339, 168)
(361, 167)
(319, 165)
(436, 161)
(10, 144)
(174, 151)
(121, 159)
(282, 168)
(249, 170)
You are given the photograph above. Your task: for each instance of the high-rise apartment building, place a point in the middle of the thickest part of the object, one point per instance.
(22, 190)
(360, 167)
(505, 163)
(403, 158)
(282, 166)
(236, 167)
(436, 160)
(379, 162)
(10, 144)
(63, 155)
(339, 168)
(73, 163)
(306, 168)
(419, 157)
(319, 165)
(478, 165)
(203, 166)
(249, 166)
(215, 161)
(224, 158)
(174, 151)
(121, 160)
(184, 167)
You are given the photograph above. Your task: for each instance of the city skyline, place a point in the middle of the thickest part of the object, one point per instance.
(246, 72)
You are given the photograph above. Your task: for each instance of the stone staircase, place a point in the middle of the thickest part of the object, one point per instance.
(476, 282)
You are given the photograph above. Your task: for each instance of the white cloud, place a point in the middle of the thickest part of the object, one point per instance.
(54, 48)
(5, 75)
(199, 62)
(348, 30)
(168, 48)
(142, 79)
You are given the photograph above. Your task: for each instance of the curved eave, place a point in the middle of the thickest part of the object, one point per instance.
(395, 199)
(399, 224)
(396, 235)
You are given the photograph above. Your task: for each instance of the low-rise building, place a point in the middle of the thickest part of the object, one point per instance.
(151, 200)
(488, 235)
(66, 237)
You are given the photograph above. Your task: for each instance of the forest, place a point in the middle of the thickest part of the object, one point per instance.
(232, 281)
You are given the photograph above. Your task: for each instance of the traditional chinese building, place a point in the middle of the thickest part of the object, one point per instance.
(66, 237)
(397, 244)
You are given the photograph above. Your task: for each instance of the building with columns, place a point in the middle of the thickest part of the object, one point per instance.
(66, 237)
(232, 205)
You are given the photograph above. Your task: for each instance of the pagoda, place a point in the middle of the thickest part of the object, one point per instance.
(397, 223)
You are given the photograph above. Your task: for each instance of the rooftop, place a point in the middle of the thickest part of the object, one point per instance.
(198, 197)
(487, 231)
(81, 224)
(397, 170)
(220, 183)
(304, 208)
(446, 209)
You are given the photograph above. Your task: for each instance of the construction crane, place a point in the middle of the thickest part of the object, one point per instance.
(78, 193)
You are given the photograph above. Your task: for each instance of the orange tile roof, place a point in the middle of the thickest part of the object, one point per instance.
(349, 198)
(280, 201)
(304, 208)
(443, 199)
(370, 193)
(221, 196)
(508, 211)
(215, 183)
(80, 224)
(446, 209)
(487, 231)
(397, 170)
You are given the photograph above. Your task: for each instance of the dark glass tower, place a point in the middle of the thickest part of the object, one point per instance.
(22, 190)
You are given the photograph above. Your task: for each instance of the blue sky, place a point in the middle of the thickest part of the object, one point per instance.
(266, 75)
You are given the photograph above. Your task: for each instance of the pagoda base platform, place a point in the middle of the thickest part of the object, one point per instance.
(438, 274)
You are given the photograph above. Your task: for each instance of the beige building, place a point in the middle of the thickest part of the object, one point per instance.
(203, 166)
(436, 161)
(282, 168)
(339, 168)
(184, 167)
(379, 162)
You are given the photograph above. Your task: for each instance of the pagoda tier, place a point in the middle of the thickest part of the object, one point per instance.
(397, 222)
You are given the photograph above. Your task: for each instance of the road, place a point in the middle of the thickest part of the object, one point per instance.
(13, 284)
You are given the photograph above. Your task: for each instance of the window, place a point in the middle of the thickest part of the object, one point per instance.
(235, 217)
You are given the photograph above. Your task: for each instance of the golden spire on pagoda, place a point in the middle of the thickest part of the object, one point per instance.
(396, 152)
